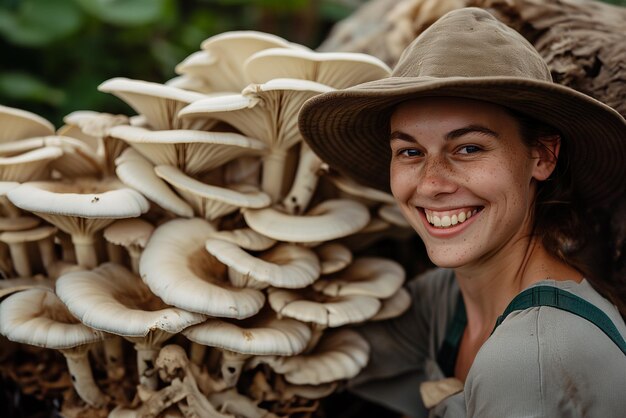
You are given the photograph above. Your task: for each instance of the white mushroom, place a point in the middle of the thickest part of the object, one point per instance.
(370, 276)
(393, 215)
(157, 102)
(222, 66)
(340, 354)
(132, 234)
(81, 208)
(335, 69)
(135, 171)
(19, 124)
(177, 268)
(267, 112)
(262, 334)
(112, 299)
(37, 317)
(212, 202)
(329, 220)
(30, 165)
(365, 194)
(310, 168)
(193, 152)
(393, 306)
(333, 257)
(246, 238)
(285, 265)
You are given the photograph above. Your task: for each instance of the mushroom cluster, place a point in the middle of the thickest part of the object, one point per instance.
(205, 220)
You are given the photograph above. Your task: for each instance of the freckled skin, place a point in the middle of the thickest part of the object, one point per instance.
(494, 171)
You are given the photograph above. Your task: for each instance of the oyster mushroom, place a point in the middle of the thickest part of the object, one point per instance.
(329, 220)
(262, 334)
(335, 69)
(19, 124)
(27, 166)
(178, 269)
(267, 112)
(246, 238)
(393, 306)
(38, 317)
(212, 202)
(193, 152)
(333, 257)
(135, 171)
(18, 240)
(110, 298)
(80, 207)
(285, 265)
(132, 234)
(158, 103)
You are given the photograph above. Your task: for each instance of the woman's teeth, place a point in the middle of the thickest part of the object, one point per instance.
(441, 220)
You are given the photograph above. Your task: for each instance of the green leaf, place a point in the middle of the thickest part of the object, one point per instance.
(24, 86)
(37, 23)
(125, 12)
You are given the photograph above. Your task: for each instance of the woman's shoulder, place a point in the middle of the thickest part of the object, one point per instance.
(551, 359)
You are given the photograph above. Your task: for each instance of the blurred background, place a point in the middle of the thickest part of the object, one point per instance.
(54, 53)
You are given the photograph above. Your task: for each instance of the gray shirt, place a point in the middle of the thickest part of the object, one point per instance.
(540, 362)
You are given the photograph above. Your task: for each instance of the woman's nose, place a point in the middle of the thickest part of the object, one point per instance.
(436, 177)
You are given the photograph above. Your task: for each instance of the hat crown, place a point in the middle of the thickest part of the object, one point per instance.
(471, 43)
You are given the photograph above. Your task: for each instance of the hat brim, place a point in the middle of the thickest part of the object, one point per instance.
(349, 129)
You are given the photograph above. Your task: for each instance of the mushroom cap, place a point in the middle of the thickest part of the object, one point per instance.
(85, 198)
(127, 232)
(28, 166)
(229, 50)
(335, 69)
(340, 354)
(18, 224)
(177, 268)
(197, 65)
(262, 334)
(267, 111)
(369, 276)
(137, 172)
(19, 124)
(333, 257)
(330, 311)
(393, 215)
(78, 159)
(194, 152)
(157, 102)
(355, 189)
(393, 306)
(246, 238)
(110, 298)
(94, 124)
(28, 235)
(38, 317)
(285, 265)
(329, 220)
(212, 202)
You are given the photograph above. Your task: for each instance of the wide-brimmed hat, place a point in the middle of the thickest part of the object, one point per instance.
(468, 53)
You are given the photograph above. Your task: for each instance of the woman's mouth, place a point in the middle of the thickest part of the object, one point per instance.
(450, 218)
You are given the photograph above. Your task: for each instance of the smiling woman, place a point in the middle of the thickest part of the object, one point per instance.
(493, 165)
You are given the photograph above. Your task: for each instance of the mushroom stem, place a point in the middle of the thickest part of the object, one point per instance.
(317, 330)
(305, 182)
(232, 365)
(146, 359)
(46, 250)
(85, 251)
(82, 378)
(273, 168)
(196, 353)
(9, 208)
(115, 253)
(19, 256)
(135, 255)
(114, 357)
(67, 248)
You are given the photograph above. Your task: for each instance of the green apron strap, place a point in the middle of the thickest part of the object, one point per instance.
(561, 299)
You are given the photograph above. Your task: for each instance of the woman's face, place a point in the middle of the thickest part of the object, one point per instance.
(462, 177)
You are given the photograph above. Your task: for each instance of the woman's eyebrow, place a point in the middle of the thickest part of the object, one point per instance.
(457, 133)
(402, 136)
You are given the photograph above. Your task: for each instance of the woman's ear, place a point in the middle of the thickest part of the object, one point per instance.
(545, 154)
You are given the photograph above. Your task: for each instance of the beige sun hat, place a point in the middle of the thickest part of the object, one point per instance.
(468, 53)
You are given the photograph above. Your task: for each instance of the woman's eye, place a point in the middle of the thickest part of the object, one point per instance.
(469, 149)
(411, 152)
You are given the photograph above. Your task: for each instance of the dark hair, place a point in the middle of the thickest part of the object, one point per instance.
(568, 229)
